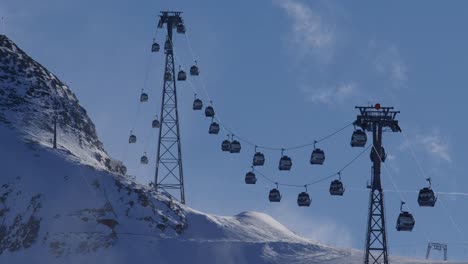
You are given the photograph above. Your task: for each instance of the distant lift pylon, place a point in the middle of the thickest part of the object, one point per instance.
(169, 175)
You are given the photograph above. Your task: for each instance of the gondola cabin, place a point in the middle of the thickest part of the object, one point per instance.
(405, 222)
(235, 146)
(181, 76)
(250, 178)
(197, 104)
(258, 159)
(181, 28)
(285, 163)
(226, 145)
(132, 139)
(274, 195)
(317, 157)
(303, 199)
(144, 159)
(155, 47)
(155, 123)
(214, 128)
(209, 111)
(144, 97)
(194, 71)
(358, 139)
(336, 188)
(426, 197)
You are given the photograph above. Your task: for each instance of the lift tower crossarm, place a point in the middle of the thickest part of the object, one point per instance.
(172, 18)
(384, 115)
(374, 119)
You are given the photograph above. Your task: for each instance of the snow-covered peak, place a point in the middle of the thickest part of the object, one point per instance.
(246, 226)
(56, 210)
(31, 97)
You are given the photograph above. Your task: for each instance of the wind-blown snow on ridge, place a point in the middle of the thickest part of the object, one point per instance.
(246, 227)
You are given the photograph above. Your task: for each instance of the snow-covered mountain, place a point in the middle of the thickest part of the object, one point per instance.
(31, 97)
(74, 205)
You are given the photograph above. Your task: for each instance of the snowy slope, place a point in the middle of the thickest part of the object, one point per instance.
(65, 206)
(30, 98)
(54, 209)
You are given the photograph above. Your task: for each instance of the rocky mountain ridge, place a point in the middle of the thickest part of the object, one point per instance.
(31, 97)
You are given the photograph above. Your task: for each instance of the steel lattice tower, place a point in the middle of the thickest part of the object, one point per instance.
(375, 119)
(436, 246)
(169, 175)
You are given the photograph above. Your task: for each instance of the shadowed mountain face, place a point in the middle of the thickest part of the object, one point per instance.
(31, 97)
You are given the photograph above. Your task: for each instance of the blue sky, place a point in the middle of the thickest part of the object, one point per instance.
(280, 73)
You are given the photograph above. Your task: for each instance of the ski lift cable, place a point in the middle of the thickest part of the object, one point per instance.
(417, 191)
(218, 119)
(190, 46)
(203, 83)
(145, 81)
(291, 148)
(132, 129)
(180, 62)
(204, 88)
(317, 181)
(452, 220)
(413, 154)
(148, 140)
(192, 53)
(457, 227)
(136, 117)
(342, 168)
(149, 64)
(279, 148)
(452, 193)
(192, 86)
(392, 180)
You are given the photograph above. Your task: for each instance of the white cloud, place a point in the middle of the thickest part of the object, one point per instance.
(310, 32)
(432, 144)
(436, 147)
(390, 63)
(392, 163)
(332, 95)
(399, 71)
(391, 157)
